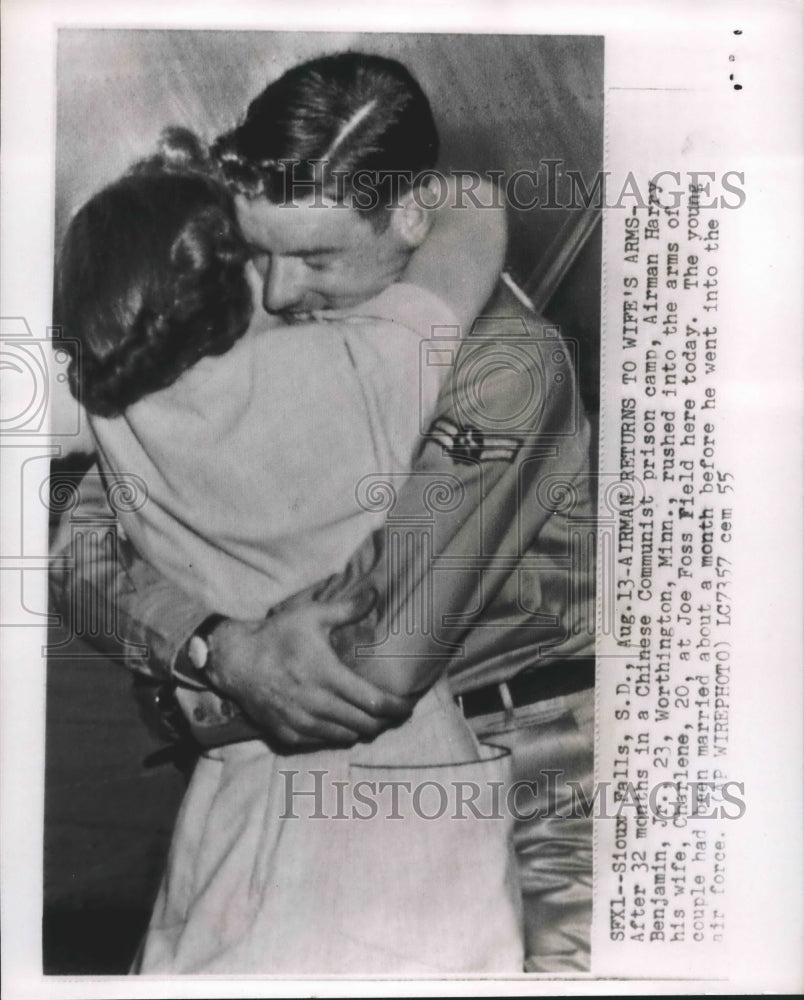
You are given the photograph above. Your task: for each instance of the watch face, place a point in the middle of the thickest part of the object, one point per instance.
(198, 651)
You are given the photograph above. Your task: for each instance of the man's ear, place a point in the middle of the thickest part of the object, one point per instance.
(411, 220)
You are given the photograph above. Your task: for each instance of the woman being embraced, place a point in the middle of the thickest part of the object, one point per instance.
(252, 437)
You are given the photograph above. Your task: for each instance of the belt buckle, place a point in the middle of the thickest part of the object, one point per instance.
(508, 706)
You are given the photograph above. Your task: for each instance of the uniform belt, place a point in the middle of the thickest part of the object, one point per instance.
(529, 687)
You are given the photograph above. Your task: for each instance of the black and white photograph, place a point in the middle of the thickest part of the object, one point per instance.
(398, 506)
(409, 500)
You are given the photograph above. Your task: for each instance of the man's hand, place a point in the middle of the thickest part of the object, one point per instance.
(285, 677)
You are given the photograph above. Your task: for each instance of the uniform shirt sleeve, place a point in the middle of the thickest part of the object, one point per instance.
(496, 537)
(96, 576)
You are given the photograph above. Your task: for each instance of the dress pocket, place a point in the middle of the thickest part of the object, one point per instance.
(426, 879)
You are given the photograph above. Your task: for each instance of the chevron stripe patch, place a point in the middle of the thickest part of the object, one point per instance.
(468, 444)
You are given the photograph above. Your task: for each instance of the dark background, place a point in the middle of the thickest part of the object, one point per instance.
(503, 102)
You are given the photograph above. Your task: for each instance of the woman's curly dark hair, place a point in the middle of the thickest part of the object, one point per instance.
(151, 279)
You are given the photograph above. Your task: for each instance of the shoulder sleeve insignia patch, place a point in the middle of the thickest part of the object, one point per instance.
(468, 444)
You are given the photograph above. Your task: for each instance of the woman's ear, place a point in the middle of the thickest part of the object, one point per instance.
(411, 219)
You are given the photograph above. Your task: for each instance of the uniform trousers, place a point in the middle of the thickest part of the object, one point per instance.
(552, 749)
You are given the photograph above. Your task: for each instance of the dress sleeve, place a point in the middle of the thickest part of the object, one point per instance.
(414, 307)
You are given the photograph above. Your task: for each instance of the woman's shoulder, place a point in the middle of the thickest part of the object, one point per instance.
(410, 308)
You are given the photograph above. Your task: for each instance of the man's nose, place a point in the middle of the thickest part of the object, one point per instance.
(284, 285)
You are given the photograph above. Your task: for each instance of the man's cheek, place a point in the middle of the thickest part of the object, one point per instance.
(342, 284)
(365, 279)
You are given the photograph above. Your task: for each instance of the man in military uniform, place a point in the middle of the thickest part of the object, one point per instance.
(485, 567)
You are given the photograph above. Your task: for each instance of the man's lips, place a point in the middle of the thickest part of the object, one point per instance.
(304, 315)
(298, 316)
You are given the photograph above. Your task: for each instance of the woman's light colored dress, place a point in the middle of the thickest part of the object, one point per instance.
(253, 463)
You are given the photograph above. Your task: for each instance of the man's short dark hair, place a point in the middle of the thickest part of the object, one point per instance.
(151, 278)
(351, 126)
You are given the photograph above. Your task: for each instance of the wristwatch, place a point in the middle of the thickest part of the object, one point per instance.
(198, 647)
